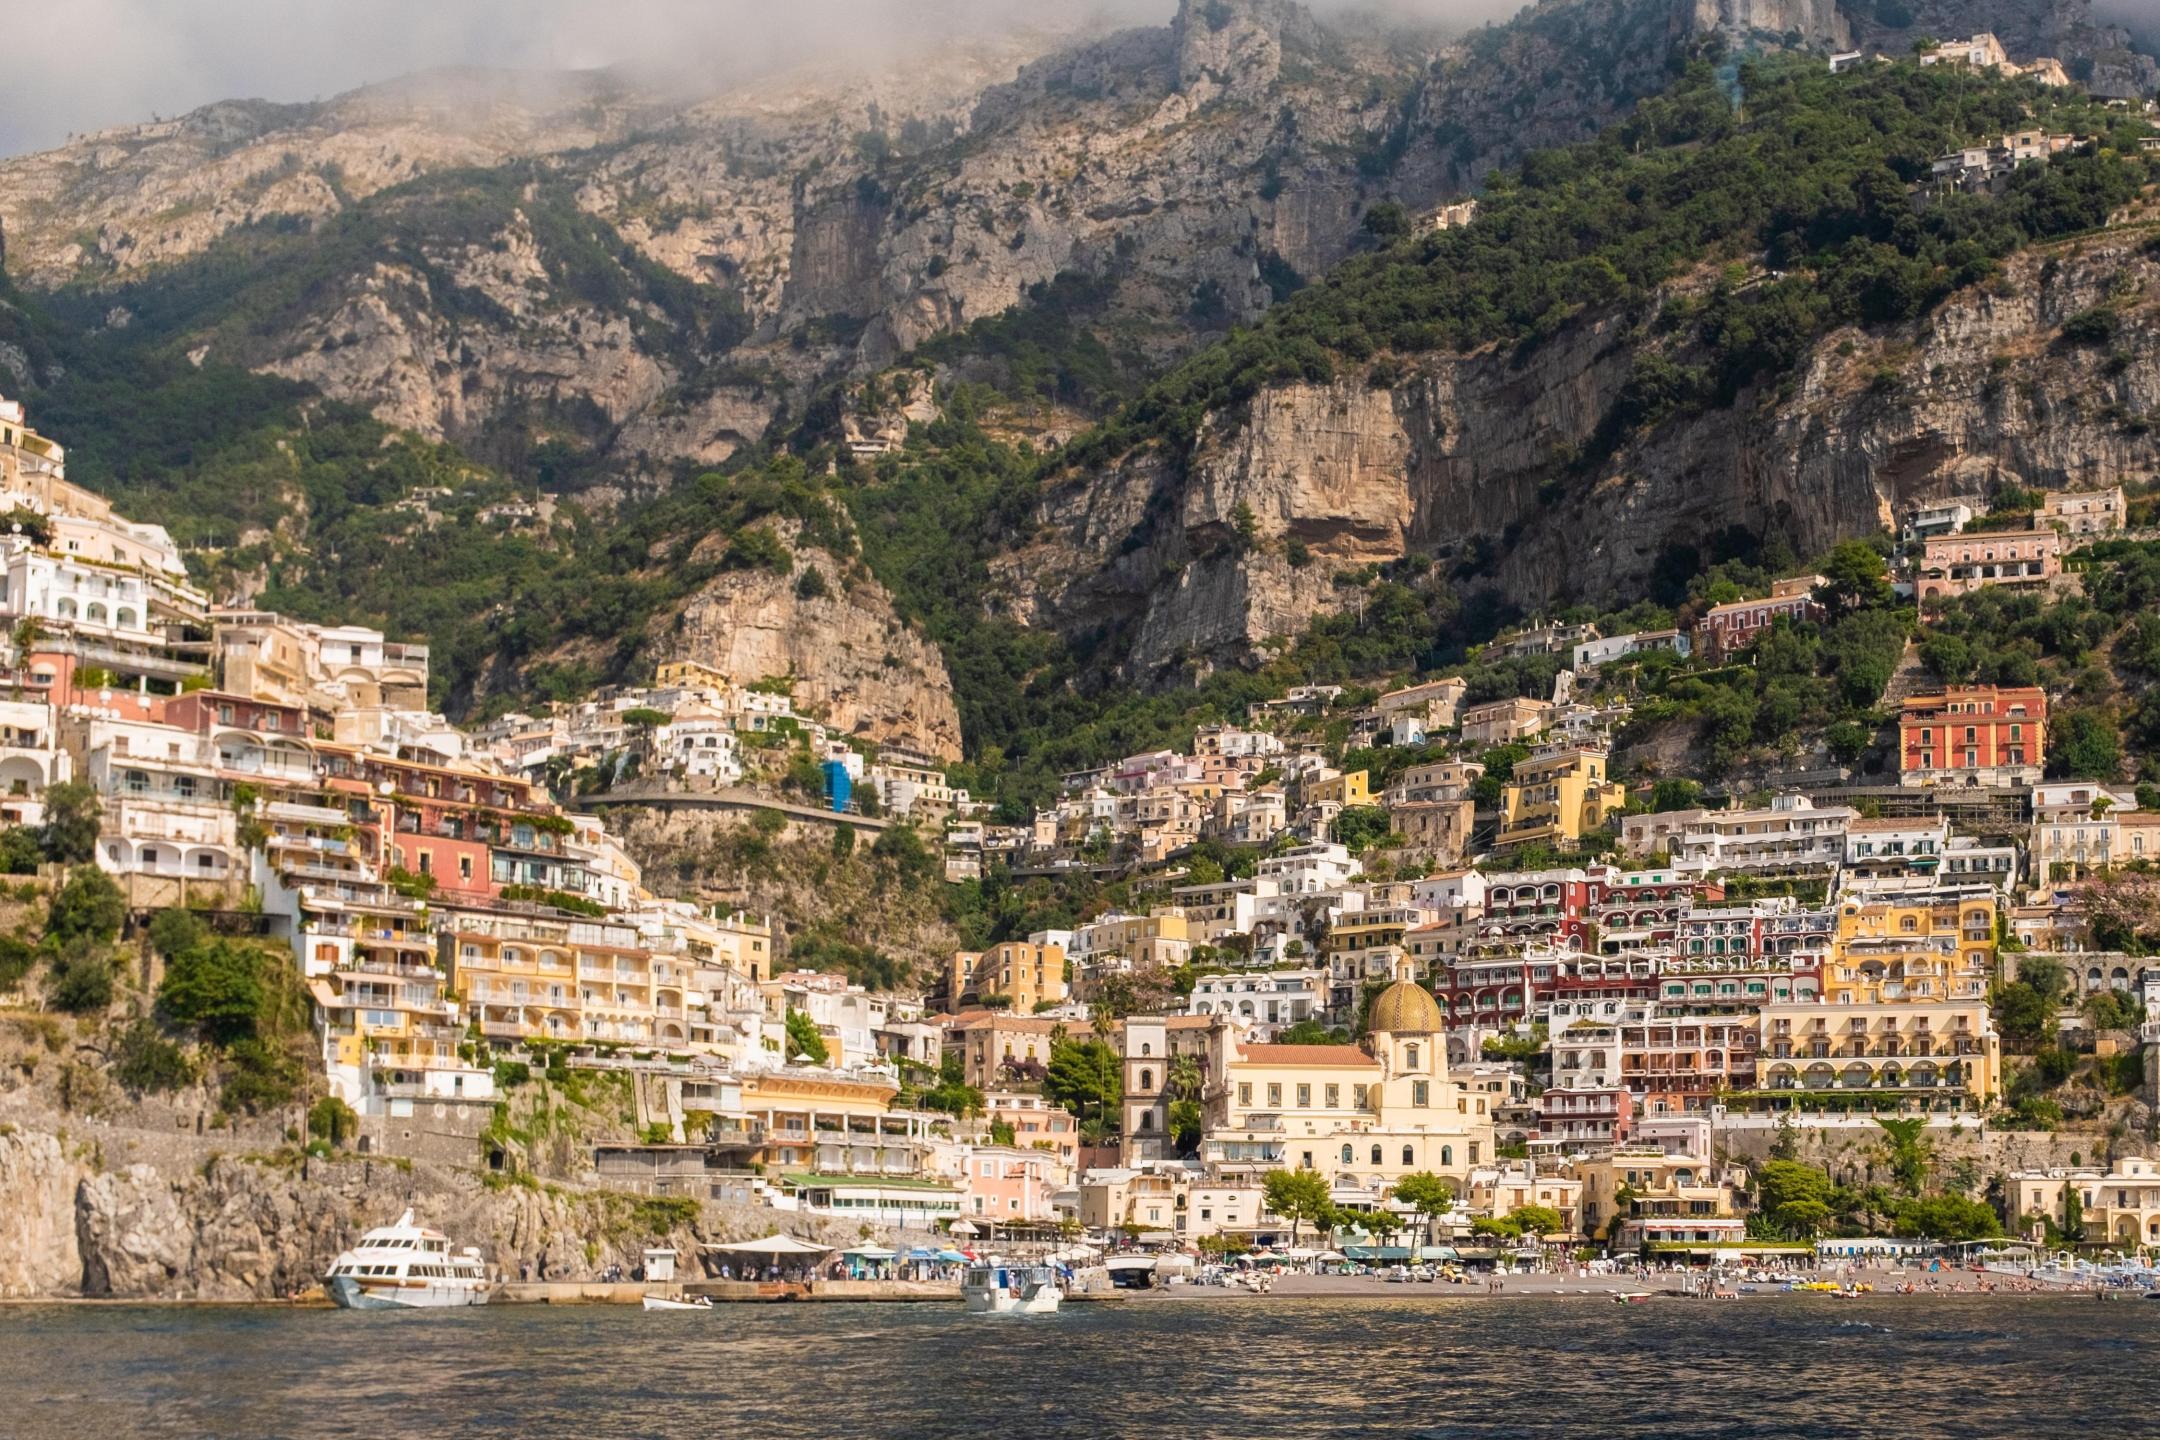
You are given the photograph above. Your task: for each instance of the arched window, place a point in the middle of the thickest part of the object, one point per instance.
(1147, 1079)
(1409, 1157)
(1376, 1154)
(1346, 1154)
(1146, 1049)
(1410, 1055)
(95, 612)
(1447, 1155)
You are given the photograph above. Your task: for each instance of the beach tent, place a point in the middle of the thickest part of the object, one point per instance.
(871, 1252)
(1332, 1257)
(962, 1227)
(772, 1247)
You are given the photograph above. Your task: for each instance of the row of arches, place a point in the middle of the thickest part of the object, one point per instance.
(96, 612)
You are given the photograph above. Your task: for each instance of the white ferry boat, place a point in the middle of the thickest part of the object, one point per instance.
(1010, 1290)
(406, 1267)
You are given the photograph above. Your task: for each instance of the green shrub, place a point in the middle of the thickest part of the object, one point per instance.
(145, 1061)
(89, 906)
(217, 989)
(331, 1119)
(82, 980)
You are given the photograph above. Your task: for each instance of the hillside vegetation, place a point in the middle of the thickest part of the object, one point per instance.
(1740, 233)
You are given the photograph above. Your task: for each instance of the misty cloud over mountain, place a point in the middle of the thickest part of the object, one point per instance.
(111, 62)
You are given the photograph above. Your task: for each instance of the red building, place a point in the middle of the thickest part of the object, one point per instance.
(1973, 735)
(1725, 629)
(1555, 905)
(1585, 1117)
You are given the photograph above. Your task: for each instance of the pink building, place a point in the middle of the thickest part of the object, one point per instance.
(1955, 564)
(1005, 1184)
(1037, 1124)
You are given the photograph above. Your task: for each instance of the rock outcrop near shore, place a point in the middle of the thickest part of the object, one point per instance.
(262, 1227)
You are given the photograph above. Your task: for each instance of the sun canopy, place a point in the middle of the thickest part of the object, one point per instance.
(962, 1227)
(871, 1252)
(772, 1245)
(951, 1257)
(1331, 1256)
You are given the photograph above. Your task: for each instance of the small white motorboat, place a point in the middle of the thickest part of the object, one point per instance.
(1011, 1290)
(655, 1302)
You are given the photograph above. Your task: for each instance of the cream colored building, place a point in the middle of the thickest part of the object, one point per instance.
(1637, 1194)
(1908, 1056)
(2121, 1204)
(1364, 1116)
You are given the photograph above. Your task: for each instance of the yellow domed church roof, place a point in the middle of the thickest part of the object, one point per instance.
(1406, 1008)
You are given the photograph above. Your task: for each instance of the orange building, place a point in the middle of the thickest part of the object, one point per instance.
(1973, 735)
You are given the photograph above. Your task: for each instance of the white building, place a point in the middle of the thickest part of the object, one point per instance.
(31, 758)
(1269, 1000)
(1792, 833)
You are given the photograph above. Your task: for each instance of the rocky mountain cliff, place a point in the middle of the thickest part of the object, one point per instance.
(1462, 461)
(490, 258)
(2096, 52)
(838, 640)
(594, 287)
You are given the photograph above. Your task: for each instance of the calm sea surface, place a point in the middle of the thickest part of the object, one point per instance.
(1783, 1366)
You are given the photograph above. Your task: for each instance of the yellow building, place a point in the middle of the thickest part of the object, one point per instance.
(387, 1016)
(691, 672)
(1146, 942)
(1558, 797)
(1944, 1055)
(541, 980)
(1349, 788)
(1927, 948)
(1363, 1116)
(1027, 976)
(832, 1122)
(1647, 1192)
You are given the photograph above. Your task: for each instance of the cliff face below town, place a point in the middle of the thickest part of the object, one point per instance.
(105, 1193)
(1469, 459)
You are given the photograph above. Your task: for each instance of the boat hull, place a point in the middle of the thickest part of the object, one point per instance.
(1003, 1302)
(350, 1293)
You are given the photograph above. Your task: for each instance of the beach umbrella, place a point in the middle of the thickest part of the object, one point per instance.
(953, 1257)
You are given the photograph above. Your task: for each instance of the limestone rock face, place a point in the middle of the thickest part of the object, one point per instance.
(1234, 47)
(1464, 460)
(134, 1237)
(854, 663)
(38, 1251)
